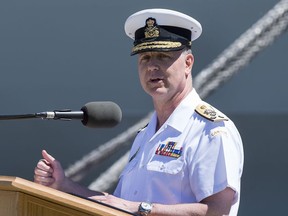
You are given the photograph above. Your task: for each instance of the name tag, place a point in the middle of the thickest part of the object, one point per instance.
(169, 149)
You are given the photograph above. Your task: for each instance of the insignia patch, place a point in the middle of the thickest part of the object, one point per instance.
(169, 150)
(210, 113)
(218, 131)
(151, 29)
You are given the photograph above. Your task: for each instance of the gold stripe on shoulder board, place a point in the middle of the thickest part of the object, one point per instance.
(209, 112)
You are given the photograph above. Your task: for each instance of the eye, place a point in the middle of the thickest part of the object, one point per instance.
(144, 58)
(164, 56)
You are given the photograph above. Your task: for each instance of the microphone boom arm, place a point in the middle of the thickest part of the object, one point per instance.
(22, 116)
(64, 114)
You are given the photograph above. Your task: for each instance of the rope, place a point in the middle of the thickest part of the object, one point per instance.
(110, 176)
(80, 168)
(243, 50)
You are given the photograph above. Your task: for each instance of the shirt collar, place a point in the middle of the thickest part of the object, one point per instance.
(181, 115)
(183, 112)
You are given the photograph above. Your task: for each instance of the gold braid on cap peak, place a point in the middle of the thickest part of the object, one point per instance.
(156, 45)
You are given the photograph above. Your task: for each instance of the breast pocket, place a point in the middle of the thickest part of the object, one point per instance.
(167, 165)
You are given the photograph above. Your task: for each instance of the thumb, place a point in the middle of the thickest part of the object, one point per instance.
(51, 160)
(48, 157)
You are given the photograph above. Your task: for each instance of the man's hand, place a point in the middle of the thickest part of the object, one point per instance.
(117, 202)
(49, 172)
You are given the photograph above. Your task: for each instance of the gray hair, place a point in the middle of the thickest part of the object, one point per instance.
(186, 51)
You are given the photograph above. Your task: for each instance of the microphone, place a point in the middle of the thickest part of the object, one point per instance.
(93, 114)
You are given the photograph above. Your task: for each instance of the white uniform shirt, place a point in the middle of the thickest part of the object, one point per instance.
(188, 159)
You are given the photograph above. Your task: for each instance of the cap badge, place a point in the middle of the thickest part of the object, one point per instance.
(151, 29)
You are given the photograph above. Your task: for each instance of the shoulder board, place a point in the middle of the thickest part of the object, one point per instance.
(211, 113)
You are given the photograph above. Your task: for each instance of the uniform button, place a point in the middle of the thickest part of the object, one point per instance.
(135, 193)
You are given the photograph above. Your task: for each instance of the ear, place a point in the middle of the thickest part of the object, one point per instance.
(189, 61)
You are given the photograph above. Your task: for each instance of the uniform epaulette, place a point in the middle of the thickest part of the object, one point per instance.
(209, 112)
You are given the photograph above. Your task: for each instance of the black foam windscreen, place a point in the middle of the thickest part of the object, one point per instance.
(101, 114)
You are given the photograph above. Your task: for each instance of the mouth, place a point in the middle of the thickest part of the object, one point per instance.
(155, 80)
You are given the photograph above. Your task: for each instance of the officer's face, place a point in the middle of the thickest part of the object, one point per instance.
(165, 74)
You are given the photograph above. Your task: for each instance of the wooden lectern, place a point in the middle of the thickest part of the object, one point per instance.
(20, 197)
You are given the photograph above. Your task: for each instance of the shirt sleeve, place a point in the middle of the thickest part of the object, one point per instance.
(217, 163)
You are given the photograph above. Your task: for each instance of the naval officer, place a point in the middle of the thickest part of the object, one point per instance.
(189, 159)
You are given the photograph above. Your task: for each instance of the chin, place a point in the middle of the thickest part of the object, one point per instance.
(158, 93)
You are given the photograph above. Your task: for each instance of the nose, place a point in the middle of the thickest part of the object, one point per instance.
(153, 68)
(152, 65)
